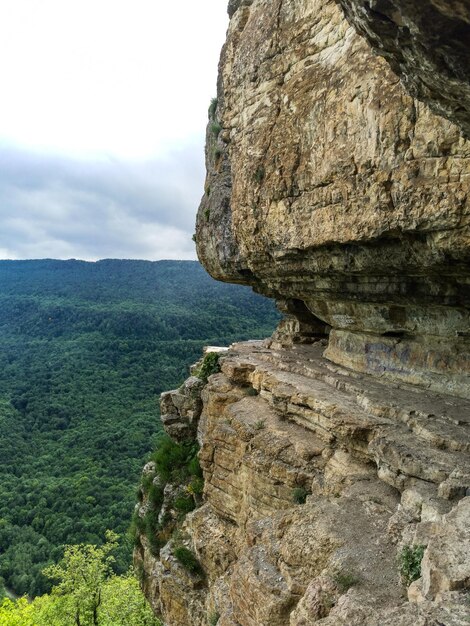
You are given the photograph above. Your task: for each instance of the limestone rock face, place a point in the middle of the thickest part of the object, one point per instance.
(331, 188)
(316, 480)
(335, 455)
(426, 43)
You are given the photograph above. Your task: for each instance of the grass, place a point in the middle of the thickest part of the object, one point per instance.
(212, 108)
(215, 128)
(260, 424)
(213, 618)
(188, 560)
(409, 561)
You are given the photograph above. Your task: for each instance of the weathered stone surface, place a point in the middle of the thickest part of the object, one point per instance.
(426, 44)
(330, 186)
(332, 448)
(369, 465)
(181, 409)
(446, 562)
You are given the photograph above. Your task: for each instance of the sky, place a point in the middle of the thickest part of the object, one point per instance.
(102, 123)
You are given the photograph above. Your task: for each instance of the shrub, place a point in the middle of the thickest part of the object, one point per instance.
(409, 561)
(172, 459)
(210, 365)
(299, 495)
(260, 424)
(188, 560)
(194, 468)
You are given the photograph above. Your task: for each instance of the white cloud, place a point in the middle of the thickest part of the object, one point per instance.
(62, 208)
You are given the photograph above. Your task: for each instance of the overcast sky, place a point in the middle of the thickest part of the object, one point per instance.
(102, 122)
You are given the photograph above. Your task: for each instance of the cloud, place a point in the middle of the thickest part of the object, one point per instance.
(60, 207)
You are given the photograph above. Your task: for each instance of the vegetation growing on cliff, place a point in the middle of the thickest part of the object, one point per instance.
(176, 464)
(409, 561)
(85, 348)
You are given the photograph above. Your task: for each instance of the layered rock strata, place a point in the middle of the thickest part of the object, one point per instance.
(317, 481)
(335, 455)
(330, 186)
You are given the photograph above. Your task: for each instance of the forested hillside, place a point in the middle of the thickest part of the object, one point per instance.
(85, 348)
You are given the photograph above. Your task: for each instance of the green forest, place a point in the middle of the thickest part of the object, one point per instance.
(85, 350)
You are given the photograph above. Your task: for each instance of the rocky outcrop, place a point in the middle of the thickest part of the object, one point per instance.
(320, 484)
(329, 186)
(427, 44)
(335, 455)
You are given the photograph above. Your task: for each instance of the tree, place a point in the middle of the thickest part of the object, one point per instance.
(82, 573)
(87, 593)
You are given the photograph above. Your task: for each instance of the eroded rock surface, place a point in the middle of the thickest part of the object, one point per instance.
(316, 480)
(427, 44)
(336, 455)
(330, 186)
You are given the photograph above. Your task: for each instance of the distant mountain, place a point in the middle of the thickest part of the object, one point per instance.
(85, 348)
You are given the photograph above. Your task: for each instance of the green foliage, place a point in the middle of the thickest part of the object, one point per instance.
(207, 214)
(84, 350)
(409, 561)
(188, 560)
(251, 391)
(260, 424)
(345, 580)
(86, 593)
(194, 237)
(213, 618)
(215, 128)
(212, 108)
(176, 463)
(299, 495)
(196, 486)
(155, 495)
(184, 504)
(210, 365)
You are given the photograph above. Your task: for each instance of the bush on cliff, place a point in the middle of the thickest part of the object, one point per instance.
(210, 365)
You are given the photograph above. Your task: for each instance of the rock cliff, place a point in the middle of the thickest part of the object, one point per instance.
(329, 497)
(335, 455)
